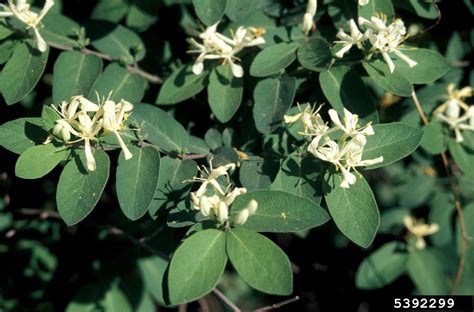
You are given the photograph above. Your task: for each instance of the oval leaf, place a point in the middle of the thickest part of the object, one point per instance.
(159, 128)
(116, 40)
(181, 85)
(123, 85)
(78, 189)
(224, 93)
(196, 266)
(136, 181)
(344, 88)
(382, 267)
(38, 161)
(20, 134)
(392, 82)
(280, 212)
(315, 54)
(209, 11)
(273, 97)
(426, 272)
(354, 210)
(273, 59)
(431, 65)
(22, 72)
(393, 141)
(74, 74)
(260, 262)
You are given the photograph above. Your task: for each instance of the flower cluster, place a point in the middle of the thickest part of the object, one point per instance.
(384, 39)
(83, 120)
(21, 10)
(455, 112)
(217, 46)
(345, 152)
(213, 200)
(419, 230)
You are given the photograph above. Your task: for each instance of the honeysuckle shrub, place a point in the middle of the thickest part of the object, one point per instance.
(160, 153)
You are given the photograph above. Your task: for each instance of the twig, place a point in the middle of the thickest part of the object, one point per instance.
(278, 305)
(182, 156)
(134, 69)
(226, 300)
(457, 201)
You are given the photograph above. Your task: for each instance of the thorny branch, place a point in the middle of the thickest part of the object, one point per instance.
(454, 192)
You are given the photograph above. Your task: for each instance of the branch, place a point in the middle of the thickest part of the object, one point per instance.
(454, 192)
(226, 300)
(278, 305)
(134, 69)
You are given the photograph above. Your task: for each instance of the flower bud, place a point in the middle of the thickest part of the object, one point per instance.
(223, 212)
(241, 217)
(252, 207)
(205, 206)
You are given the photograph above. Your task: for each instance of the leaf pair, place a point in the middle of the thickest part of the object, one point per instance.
(199, 262)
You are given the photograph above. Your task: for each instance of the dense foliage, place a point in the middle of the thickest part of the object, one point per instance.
(234, 154)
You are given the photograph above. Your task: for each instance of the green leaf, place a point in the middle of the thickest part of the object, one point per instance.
(6, 50)
(344, 88)
(375, 7)
(257, 174)
(74, 74)
(49, 117)
(153, 273)
(78, 189)
(20, 134)
(426, 272)
(273, 97)
(260, 262)
(123, 85)
(181, 85)
(209, 11)
(5, 31)
(110, 10)
(421, 8)
(280, 212)
(383, 266)
(116, 40)
(159, 128)
(224, 93)
(300, 176)
(108, 297)
(238, 9)
(434, 140)
(431, 65)
(173, 183)
(315, 54)
(60, 30)
(213, 138)
(392, 82)
(354, 209)
(196, 266)
(463, 156)
(142, 14)
(137, 179)
(393, 141)
(22, 72)
(273, 59)
(38, 161)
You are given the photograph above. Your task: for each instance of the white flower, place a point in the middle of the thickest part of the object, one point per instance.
(113, 117)
(218, 46)
(363, 2)
(242, 216)
(455, 112)
(355, 38)
(313, 124)
(21, 10)
(308, 18)
(387, 39)
(351, 123)
(419, 230)
(89, 128)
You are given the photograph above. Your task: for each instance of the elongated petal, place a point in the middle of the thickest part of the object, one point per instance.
(411, 63)
(89, 156)
(389, 62)
(237, 70)
(40, 43)
(47, 6)
(335, 118)
(126, 152)
(343, 50)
